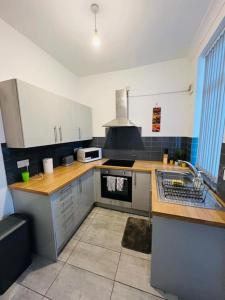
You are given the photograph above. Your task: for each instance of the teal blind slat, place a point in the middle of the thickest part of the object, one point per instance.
(213, 110)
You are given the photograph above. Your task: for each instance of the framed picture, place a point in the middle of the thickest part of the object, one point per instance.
(156, 119)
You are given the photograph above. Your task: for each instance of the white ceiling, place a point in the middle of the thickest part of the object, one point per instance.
(133, 32)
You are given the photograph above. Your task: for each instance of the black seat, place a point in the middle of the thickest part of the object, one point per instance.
(15, 248)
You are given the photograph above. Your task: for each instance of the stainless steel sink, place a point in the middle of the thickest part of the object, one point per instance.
(179, 187)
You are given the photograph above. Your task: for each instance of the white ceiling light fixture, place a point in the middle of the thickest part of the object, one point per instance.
(96, 39)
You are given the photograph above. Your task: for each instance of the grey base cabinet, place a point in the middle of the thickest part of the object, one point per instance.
(84, 196)
(141, 194)
(188, 259)
(56, 217)
(141, 191)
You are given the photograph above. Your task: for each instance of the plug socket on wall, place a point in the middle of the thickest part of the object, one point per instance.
(22, 163)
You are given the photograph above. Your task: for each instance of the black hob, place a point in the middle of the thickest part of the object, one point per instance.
(119, 163)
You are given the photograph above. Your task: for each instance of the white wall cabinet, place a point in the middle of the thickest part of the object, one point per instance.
(141, 191)
(35, 117)
(66, 131)
(83, 121)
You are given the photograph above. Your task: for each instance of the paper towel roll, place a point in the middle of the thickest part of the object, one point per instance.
(48, 165)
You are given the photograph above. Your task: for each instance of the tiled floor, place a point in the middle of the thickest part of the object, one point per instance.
(93, 266)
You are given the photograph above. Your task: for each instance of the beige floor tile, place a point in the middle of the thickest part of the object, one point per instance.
(66, 252)
(110, 212)
(88, 220)
(92, 213)
(80, 231)
(136, 253)
(19, 292)
(40, 275)
(115, 223)
(103, 237)
(74, 283)
(95, 259)
(135, 272)
(124, 292)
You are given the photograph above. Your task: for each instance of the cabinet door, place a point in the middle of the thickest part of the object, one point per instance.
(141, 191)
(90, 189)
(83, 121)
(76, 201)
(67, 132)
(39, 110)
(86, 190)
(63, 215)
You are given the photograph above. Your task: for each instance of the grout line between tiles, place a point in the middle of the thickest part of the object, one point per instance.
(148, 259)
(30, 289)
(115, 274)
(99, 246)
(70, 252)
(140, 290)
(63, 263)
(88, 271)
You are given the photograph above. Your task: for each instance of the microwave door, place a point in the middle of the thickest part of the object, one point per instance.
(91, 154)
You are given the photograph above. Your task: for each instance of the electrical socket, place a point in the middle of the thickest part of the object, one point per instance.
(22, 163)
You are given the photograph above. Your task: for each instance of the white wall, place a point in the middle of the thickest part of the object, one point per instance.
(98, 91)
(20, 58)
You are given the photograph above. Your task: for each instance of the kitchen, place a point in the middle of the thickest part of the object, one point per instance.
(114, 125)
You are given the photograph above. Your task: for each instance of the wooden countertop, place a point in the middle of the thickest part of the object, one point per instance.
(62, 176)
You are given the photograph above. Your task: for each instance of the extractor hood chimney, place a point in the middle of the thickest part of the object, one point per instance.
(122, 114)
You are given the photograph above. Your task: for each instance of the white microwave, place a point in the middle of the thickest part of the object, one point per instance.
(89, 154)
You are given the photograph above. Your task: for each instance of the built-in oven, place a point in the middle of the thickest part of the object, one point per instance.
(116, 184)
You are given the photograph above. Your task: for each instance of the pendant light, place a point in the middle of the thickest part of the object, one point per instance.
(95, 39)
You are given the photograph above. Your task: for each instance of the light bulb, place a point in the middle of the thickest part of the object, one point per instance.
(96, 40)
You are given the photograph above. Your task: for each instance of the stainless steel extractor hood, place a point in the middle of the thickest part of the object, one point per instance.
(122, 114)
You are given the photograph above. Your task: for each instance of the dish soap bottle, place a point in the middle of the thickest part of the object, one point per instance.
(165, 157)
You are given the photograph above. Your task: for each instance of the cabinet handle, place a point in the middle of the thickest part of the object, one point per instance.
(60, 133)
(66, 189)
(135, 179)
(55, 134)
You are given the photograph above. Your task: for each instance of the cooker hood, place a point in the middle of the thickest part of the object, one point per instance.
(122, 114)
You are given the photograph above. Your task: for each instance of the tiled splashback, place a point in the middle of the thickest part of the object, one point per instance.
(221, 182)
(119, 143)
(35, 155)
(127, 143)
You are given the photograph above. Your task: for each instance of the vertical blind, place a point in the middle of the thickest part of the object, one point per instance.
(213, 110)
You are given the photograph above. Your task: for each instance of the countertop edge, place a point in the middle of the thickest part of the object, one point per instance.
(209, 217)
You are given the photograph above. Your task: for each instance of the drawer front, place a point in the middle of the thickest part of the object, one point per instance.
(64, 201)
(65, 210)
(64, 227)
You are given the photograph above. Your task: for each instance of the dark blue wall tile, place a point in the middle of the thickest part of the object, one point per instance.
(35, 156)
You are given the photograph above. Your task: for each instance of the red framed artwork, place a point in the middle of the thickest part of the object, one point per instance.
(156, 119)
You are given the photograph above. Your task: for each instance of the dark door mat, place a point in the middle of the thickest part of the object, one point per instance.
(137, 235)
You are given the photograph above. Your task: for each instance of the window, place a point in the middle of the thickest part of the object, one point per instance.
(213, 107)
